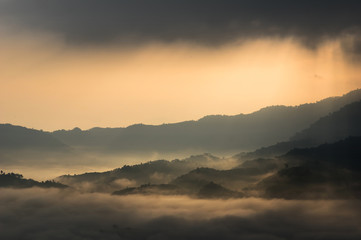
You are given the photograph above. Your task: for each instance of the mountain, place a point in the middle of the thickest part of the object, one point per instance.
(326, 171)
(263, 164)
(331, 128)
(235, 179)
(21, 138)
(209, 190)
(212, 133)
(95, 138)
(345, 154)
(20, 146)
(154, 172)
(14, 180)
(335, 126)
(189, 176)
(213, 190)
(148, 189)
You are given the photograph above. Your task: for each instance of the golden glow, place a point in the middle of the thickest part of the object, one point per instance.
(48, 85)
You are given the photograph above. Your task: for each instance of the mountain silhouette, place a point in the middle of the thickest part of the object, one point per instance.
(326, 171)
(211, 133)
(154, 172)
(213, 190)
(235, 179)
(14, 180)
(208, 190)
(331, 128)
(16, 137)
(147, 189)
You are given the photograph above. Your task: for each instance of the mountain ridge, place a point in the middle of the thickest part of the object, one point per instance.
(331, 128)
(210, 133)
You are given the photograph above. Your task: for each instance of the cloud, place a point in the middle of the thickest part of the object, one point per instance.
(44, 214)
(206, 21)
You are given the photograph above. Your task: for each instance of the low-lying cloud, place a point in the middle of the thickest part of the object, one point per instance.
(44, 214)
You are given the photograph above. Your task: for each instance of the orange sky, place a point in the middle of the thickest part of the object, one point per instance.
(48, 85)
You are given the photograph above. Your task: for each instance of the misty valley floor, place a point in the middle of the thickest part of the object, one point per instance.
(64, 214)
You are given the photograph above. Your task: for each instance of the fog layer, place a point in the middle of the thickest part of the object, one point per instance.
(54, 214)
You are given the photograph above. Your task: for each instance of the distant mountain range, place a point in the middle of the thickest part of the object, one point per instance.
(210, 134)
(16, 137)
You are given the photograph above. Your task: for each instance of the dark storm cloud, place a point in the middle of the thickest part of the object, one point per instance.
(52, 214)
(203, 21)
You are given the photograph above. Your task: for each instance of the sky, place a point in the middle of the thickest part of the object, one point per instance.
(87, 63)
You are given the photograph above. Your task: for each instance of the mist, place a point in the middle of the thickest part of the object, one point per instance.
(177, 119)
(43, 165)
(60, 214)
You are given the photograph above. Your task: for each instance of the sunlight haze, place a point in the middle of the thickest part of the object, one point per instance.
(49, 85)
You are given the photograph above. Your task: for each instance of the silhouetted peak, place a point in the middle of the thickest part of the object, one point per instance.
(76, 129)
(213, 190)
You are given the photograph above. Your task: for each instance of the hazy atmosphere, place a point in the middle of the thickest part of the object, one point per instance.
(67, 64)
(177, 119)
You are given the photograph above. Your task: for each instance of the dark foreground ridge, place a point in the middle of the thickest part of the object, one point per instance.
(330, 171)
